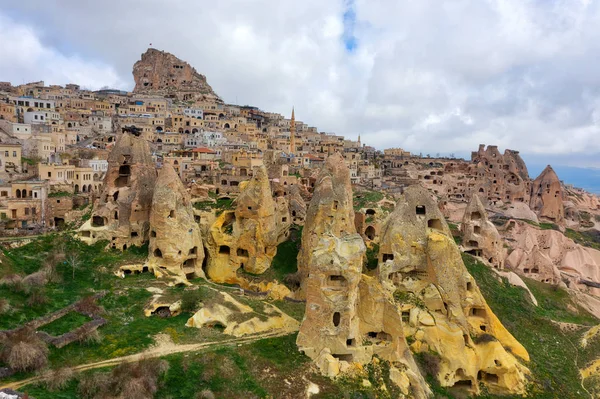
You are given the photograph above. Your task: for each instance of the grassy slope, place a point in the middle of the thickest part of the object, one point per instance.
(553, 352)
(275, 367)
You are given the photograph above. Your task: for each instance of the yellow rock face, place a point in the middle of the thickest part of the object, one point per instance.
(239, 319)
(442, 307)
(248, 237)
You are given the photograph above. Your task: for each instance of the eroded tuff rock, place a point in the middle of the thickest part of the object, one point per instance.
(248, 237)
(442, 308)
(480, 236)
(161, 73)
(297, 205)
(121, 215)
(546, 196)
(175, 241)
(349, 317)
(549, 256)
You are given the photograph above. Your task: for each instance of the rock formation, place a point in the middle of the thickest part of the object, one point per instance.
(349, 318)
(546, 196)
(549, 256)
(442, 308)
(248, 236)
(297, 205)
(175, 241)
(480, 236)
(161, 73)
(121, 215)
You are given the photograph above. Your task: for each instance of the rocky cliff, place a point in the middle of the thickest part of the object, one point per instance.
(121, 215)
(161, 73)
(480, 236)
(175, 242)
(547, 197)
(442, 308)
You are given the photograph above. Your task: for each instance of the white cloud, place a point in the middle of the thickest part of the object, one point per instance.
(23, 58)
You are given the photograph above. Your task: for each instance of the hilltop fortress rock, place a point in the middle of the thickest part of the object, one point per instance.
(441, 306)
(480, 236)
(248, 236)
(121, 215)
(175, 241)
(349, 317)
(161, 73)
(547, 196)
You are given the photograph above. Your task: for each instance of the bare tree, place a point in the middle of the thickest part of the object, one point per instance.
(74, 261)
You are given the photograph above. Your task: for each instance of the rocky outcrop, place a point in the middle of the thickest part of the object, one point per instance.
(161, 73)
(480, 236)
(247, 237)
(549, 256)
(442, 308)
(349, 317)
(121, 215)
(175, 241)
(297, 205)
(546, 196)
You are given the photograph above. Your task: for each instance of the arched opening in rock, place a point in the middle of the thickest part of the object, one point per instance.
(475, 216)
(224, 250)
(387, 257)
(153, 234)
(242, 252)
(162, 311)
(477, 229)
(370, 232)
(172, 214)
(193, 251)
(158, 253)
(116, 195)
(370, 212)
(97, 221)
(60, 222)
(337, 317)
(420, 210)
(336, 281)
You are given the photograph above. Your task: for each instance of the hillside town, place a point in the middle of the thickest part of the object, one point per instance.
(382, 243)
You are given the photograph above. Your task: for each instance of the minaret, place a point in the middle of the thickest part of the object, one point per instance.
(293, 133)
(359, 140)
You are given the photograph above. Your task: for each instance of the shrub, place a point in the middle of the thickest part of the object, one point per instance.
(57, 380)
(190, 301)
(4, 306)
(37, 279)
(293, 280)
(38, 297)
(128, 380)
(93, 337)
(429, 363)
(94, 385)
(205, 394)
(24, 351)
(89, 306)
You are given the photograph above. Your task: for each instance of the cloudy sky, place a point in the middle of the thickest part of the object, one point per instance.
(430, 76)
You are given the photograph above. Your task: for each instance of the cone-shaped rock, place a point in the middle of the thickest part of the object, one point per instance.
(248, 237)
(546, 196)
(175, 240)
(121, 214)
(442, 307)
(480, 236)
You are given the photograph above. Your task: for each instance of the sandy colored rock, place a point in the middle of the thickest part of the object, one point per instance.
(549, 256)
(421, 265)
(247, 237)
(161, 73)
(349, 317)
(240, 320)
(121, 214)
(546, 196)
(480, 236)
(297, 205)
(175, 241)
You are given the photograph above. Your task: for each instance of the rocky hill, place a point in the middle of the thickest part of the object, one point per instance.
(161, 73)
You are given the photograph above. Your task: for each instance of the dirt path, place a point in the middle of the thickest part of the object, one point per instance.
(158, 351)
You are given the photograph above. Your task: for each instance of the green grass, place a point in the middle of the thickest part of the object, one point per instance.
(586, 238)
(57, 194)
(363, 199)
(553, 352)
(68, 322)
